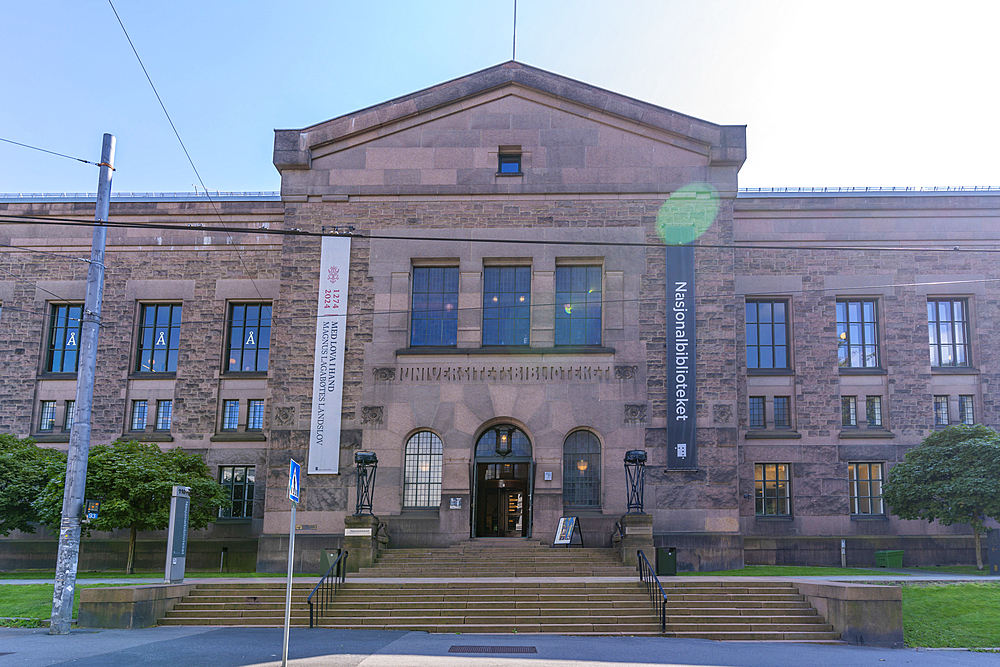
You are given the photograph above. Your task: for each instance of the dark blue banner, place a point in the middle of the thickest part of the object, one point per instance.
(682, 447)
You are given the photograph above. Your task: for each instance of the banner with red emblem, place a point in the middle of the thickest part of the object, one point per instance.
(328, 369)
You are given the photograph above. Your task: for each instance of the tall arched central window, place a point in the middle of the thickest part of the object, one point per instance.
(422, 471)
(582, 470)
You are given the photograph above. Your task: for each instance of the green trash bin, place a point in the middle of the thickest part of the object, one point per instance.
(327, 557)
(666, 561)
(890, 558)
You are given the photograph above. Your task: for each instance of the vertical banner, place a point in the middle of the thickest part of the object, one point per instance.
(328, 365)
(681, 360)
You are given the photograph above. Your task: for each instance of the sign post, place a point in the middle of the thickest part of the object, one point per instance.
(294, 472)
(177, 535)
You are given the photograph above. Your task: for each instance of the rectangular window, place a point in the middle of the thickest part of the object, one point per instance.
(966, 413)
(70, 415)
(47, 416)
(873, 411)
(509, 163)
(238, 482)
(159, 337)
(255, 415)
(506, 305)
(773, 489)
(249, 337)
(137, 422)
(857, 334)
(767, 334)
(164, 415)
(948, 331)
(865, 480)
(230, 415)
(849, 411)
(64, 339)
(941, 416)
(578, 305)
(757, 412)
(434, 308)
(782, 412)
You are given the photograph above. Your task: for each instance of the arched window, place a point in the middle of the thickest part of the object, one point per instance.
(503, 440)
(422, 471)
(582, 470)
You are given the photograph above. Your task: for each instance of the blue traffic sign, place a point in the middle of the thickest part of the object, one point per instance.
(293, 481)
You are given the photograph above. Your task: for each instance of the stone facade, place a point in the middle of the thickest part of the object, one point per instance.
(419, 182)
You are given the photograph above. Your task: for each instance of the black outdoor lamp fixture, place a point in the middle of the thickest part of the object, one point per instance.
(504, 437)
(635, 474)
(367, 464)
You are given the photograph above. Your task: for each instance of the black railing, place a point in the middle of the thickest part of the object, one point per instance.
(648, 576)
(327, 587)
(618, 531)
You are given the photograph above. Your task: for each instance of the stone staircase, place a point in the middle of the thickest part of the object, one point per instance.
(498, 557)
(523, 588)
(761, 611)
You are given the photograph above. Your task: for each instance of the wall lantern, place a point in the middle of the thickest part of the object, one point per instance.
(504, 437)
(367, 464)
(635, 473)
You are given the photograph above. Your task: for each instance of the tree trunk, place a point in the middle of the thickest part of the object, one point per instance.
(979, 547)
(130, 565)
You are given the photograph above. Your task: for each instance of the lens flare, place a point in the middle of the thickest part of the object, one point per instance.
(688, 213)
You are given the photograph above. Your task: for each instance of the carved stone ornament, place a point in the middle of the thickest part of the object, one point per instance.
(284, 415)
(635, 414)
(626, 372)
(722, 413)
(371, 414)
(384, 374)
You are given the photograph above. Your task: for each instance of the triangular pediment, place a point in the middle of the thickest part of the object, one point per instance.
(572, 135)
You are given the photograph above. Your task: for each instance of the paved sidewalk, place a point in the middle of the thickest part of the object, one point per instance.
(261, 647)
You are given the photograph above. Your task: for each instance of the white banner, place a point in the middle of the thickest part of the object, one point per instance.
(328, 368)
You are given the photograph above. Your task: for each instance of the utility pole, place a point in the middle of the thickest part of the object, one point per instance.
(79, 438)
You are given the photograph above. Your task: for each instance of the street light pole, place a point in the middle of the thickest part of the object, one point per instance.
(79, 439)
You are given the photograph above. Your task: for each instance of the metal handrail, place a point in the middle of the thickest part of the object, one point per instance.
(328, 586)
(619, 530)
(647, 576)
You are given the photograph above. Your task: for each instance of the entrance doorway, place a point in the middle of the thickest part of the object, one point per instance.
(504, 483)
(503, 506)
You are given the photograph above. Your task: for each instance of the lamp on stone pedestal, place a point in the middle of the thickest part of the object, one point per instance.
(367, 464)
(635, 475)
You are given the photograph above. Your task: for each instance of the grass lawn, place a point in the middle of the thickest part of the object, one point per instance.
(956, 569)
(784, 571)
(31, 601)
(952, 615)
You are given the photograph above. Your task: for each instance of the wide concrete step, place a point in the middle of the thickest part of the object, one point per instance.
(559, 601)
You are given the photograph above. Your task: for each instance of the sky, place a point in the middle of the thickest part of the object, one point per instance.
(848, 94)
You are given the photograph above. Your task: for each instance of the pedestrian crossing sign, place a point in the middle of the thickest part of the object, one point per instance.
(293, 481)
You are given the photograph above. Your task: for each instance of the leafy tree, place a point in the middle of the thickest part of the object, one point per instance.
(953, 476)
(134, 482)
(25, 469)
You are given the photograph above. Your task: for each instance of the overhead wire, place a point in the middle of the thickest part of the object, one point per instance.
(177, 134)
(948, 247)
(43, 150)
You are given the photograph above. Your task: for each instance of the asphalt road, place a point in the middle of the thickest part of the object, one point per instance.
(261, 647)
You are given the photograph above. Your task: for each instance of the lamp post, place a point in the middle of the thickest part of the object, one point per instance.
(635, 474)
(367, 464)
